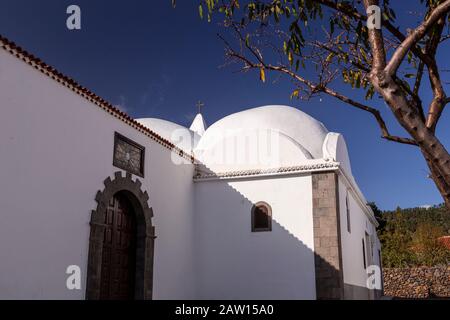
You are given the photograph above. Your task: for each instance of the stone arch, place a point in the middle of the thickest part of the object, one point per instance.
(145, 235)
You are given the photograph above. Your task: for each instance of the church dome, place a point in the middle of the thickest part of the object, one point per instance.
(305, 131)
(265, 137)
(180, 136)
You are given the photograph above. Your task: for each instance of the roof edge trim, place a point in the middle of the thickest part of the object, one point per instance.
(71, 84)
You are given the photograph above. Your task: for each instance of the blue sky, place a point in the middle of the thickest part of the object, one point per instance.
(156, 61)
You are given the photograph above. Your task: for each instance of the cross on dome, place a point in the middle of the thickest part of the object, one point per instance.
(200, 105)
(198, 125)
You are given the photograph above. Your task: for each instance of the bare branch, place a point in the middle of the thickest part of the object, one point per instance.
(415, 92)
(445, 38)
(415, 36)
(381, 123)
(319, 88)
(351, 12)
(353, 62)
(419, 76)
(377, 43)
(438, 103)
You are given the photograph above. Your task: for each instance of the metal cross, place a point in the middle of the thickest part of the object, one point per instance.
(200, 105)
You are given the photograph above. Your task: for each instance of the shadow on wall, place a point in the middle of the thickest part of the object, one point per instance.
(236, 263)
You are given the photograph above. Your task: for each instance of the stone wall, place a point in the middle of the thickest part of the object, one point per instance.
(421, 282)
(328, 259)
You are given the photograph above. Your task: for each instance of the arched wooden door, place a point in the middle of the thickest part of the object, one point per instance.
(119, 250)
(121, 242)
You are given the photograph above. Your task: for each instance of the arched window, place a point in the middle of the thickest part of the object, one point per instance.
(261, 217)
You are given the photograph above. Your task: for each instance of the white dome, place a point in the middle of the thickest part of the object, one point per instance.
(180, 136)
(306, 131)
(264, 137)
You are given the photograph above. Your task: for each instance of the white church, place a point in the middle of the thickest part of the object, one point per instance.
(95, 205)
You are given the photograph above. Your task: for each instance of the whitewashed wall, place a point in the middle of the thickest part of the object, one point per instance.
(56, 150)
(352, 252)
(234, 262)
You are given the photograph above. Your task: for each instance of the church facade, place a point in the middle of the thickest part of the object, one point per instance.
(260, 205)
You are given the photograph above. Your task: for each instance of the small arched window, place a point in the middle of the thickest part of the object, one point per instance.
(261, 217)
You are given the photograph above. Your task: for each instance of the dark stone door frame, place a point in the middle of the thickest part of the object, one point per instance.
(145, 236)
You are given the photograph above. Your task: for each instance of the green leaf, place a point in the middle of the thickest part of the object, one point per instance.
(410, 56)
(370, 93)
(330, 57)
(200, 11)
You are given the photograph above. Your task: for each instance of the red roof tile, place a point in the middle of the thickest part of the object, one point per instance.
(445, 241)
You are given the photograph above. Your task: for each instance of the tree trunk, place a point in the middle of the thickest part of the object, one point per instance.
(437, 157)
(442, 185)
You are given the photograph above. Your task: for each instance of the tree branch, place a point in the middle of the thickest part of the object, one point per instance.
(353, 62)
(438, 103)
(319, 88)
(419, 76)
(438, 178)
(351, 12)
(414, 37)
(377, 43)
(375, 113)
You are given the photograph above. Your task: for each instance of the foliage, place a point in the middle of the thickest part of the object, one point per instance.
(395, 242)
(428, 250)
(409, 237)
(378, 216)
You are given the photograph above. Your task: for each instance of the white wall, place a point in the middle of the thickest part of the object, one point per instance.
(352, 252)
(56, 150)
(235, 263)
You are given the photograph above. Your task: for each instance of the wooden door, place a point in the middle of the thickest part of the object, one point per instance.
(119, 251)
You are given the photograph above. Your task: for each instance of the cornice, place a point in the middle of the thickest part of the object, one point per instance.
(240, 174)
